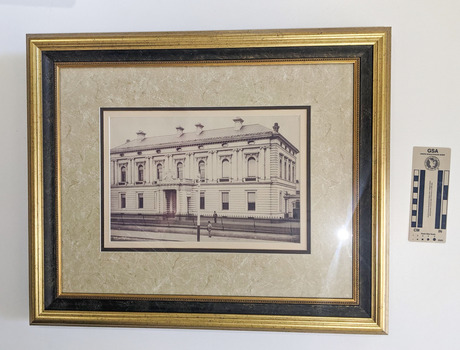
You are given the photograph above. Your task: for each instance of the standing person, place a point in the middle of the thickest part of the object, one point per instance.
(209, 228)
(215, 217)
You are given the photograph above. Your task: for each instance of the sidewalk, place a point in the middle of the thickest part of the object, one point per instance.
(188, 234)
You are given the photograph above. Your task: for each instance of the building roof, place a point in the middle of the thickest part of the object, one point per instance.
(251, 131)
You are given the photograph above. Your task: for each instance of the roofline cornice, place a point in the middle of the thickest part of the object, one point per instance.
(215, 140)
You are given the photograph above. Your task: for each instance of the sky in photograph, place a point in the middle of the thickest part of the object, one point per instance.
(124, 125)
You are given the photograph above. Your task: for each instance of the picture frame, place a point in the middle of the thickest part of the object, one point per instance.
(89, 189)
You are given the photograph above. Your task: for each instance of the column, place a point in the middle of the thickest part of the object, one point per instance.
(234, 163)
(241, 160)
(152, 169)
(260, 161)
(192, 166)
(129, 171)
(266, 162)
(216, 166)
(133, 168)
(147, 170)
(112, 179)
(209, 166)
(283, 163)
(115, 171)
(237, 164)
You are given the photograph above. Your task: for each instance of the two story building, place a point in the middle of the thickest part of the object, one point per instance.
(236, 171)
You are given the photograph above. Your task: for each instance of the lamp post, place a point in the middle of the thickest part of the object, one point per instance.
(198, 205)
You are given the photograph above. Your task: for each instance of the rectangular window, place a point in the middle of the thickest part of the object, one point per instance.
(202, 200)
(140, 200)
(251, 201)
(225, 201)
(122, 200)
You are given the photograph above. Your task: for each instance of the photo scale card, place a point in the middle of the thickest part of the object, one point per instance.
(430, 189)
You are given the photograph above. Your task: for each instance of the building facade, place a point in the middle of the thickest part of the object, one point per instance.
(240, 171)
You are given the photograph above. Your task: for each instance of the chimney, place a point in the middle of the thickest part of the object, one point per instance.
(140, 135)
(276, 127)
(238, 123)
(199, 128)
(179, 131)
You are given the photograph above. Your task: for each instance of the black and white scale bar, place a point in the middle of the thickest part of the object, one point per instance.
(415, 184)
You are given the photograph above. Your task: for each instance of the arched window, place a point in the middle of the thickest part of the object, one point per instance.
(202, 170)
(123, 174)
(140, 173)
(160, 172)
(252, 167)
(180, 170)
(225, 168)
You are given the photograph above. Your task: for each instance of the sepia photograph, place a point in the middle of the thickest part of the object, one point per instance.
(206, 179)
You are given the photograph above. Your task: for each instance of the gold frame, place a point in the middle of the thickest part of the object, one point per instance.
(376, 38)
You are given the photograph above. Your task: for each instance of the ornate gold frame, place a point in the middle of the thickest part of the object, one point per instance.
(377, 39)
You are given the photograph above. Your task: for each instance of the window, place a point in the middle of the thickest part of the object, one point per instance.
(140, 200)
(122, 200)
(202, 170)
(293, 172)
(140, 173)
(281, 167)
(225, 168)
(251, 201)
(285, 170)
(252, 167)
(159, 172)
(202, 200)
(180, 170)
(225, 201)
(289, 174)
(123, 174)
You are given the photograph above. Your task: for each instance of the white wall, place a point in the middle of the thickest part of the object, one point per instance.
(424, 284)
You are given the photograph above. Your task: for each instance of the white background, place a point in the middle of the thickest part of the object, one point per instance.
(424, 283)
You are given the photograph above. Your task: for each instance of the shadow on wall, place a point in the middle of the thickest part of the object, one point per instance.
(39, 3)
(13, 188)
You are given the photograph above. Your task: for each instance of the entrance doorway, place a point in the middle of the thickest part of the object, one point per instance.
(170, 202)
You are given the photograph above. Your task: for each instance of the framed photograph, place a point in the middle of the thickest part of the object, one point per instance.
(161, 190)
(219, 180)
